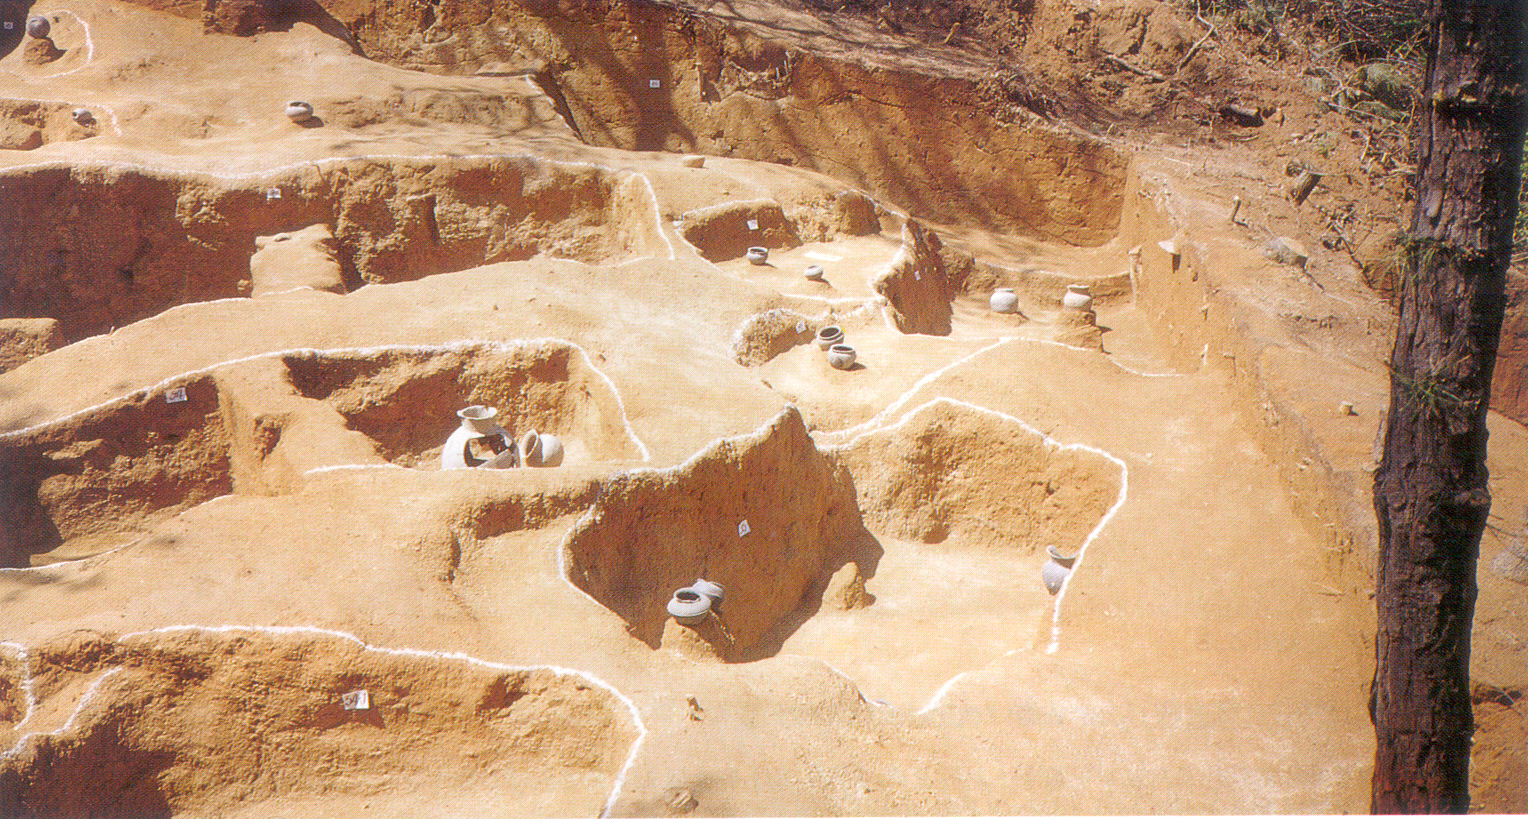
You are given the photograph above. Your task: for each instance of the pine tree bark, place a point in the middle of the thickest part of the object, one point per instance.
(1430, 492)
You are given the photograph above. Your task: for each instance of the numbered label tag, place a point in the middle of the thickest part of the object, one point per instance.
(753, 224)
(800, 326)
(9, 25)
(175, 396)
(917, 276)
(742, 528)
(652, 83)
(272, 193)
(356, 700)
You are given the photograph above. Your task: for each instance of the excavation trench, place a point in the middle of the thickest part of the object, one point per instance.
(231, 721)
(107, 476)
(100, 246)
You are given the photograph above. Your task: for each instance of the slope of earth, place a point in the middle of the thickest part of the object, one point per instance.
(236, 581)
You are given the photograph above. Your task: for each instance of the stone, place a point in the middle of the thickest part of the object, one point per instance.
(1285, 250)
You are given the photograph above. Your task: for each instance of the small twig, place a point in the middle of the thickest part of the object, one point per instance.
(1144, 72)
(1194, 49)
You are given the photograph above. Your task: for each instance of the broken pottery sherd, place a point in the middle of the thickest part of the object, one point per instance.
(1003, 300)
(841, 356)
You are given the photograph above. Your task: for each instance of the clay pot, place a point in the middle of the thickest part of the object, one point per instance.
(689, 606)
(841, 356)
(82, 116)
(829, 335)
(1056, 570)
(711, 590)
(541, 449)
(299, 111)
(1003, 300)
(758, 255)
(38, 26)
(814, 273)
(479, 419)
(1077, 297)
(478, 422)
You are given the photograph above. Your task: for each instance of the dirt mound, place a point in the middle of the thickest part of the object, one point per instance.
(766, 515)
(952, 470)
(220, 721)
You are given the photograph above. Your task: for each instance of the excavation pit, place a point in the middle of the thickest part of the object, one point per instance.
(102, 478)
(235, 722)
(406, 400)
(767, 515)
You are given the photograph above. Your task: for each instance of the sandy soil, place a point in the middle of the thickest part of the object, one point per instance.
(245, 342)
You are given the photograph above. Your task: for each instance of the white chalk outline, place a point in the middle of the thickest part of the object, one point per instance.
(459, 346)
(89, 48)
(452, 656)
(1048, 441)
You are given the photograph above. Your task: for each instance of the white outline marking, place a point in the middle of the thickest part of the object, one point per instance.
(462, 345)
(1048, 441)
(561, 671)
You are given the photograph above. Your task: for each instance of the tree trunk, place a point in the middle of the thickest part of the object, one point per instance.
(1430, 493)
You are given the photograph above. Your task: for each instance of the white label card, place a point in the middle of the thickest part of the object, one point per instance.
(800, 326)
(652, 83)
(9, 25)
(272, 193)
(753, 224)
(175, 396)
(917, 276)
(356, 700)
(742, 528)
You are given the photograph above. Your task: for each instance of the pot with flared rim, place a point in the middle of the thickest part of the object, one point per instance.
(829, 335)
(758, 255)
(689, 606)
(299, 111)
(479, 419)
(813, 273)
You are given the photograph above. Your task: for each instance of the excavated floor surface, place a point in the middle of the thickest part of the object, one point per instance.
(224, 512)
